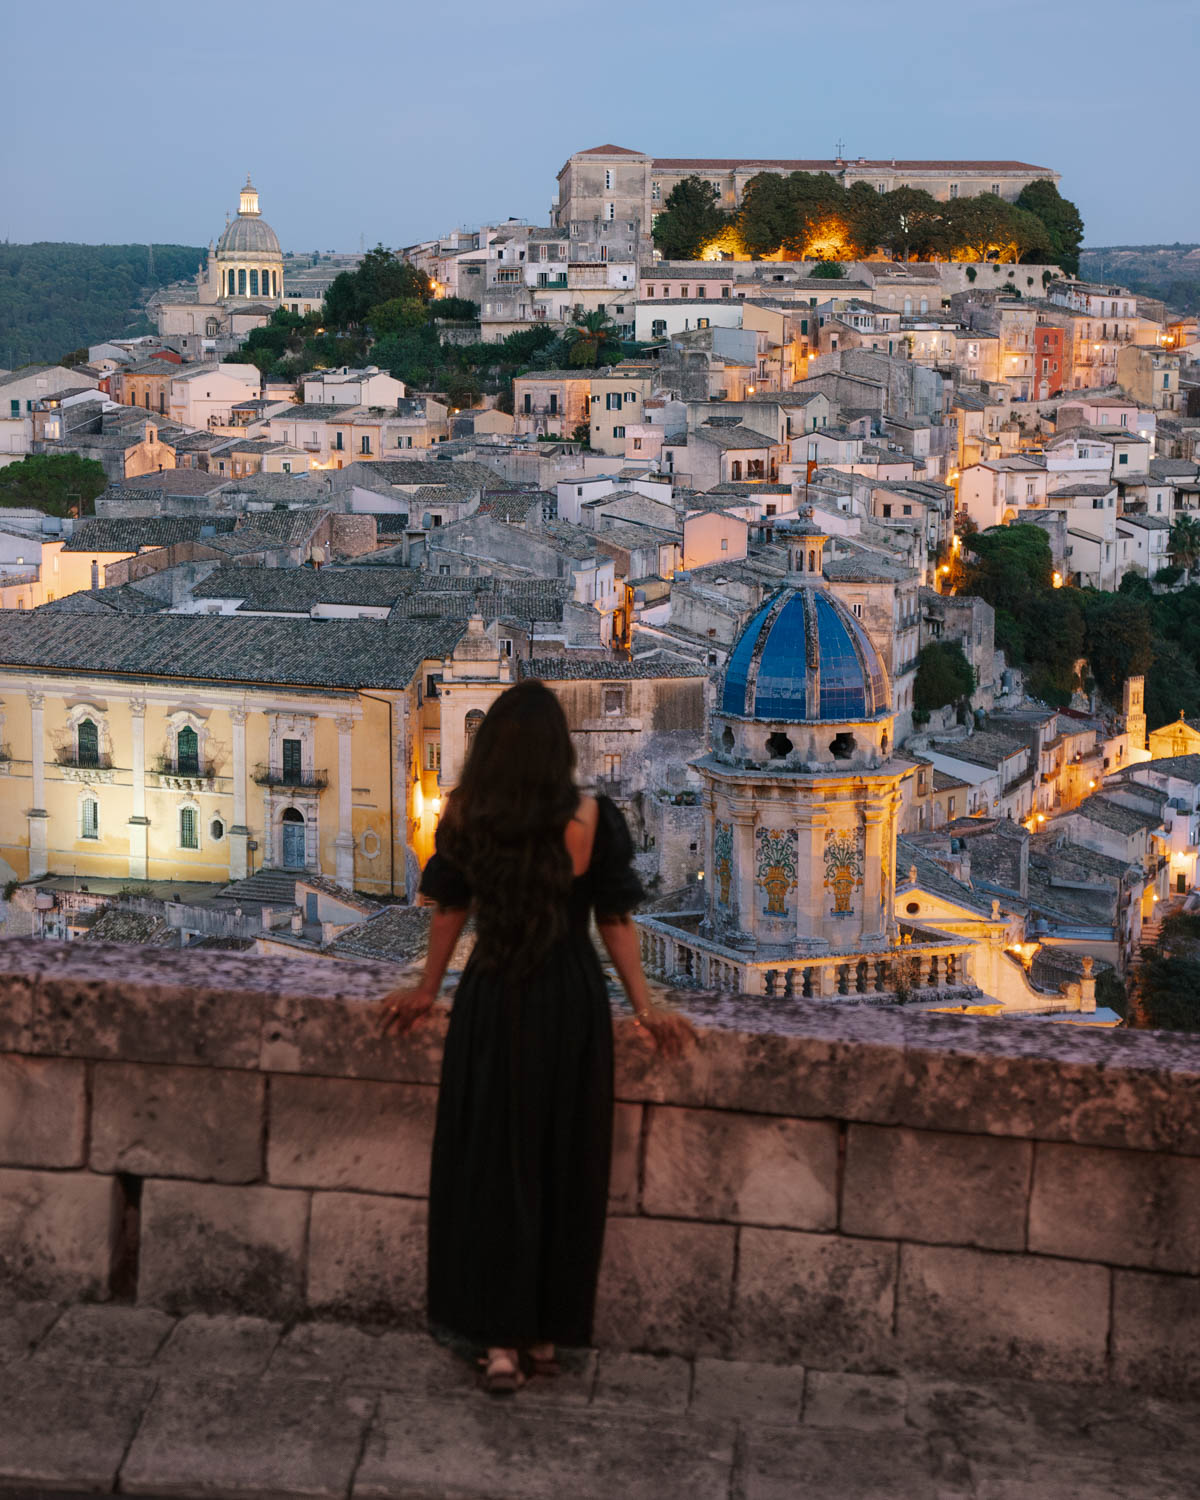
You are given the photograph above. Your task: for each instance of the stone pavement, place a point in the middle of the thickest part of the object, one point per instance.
(104, 1398)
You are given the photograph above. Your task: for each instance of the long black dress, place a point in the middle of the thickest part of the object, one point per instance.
(521, 1151)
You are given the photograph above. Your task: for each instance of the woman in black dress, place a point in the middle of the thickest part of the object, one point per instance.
(519, 1179)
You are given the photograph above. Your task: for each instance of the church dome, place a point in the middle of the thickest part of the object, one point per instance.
(249, 234)
(803, 658)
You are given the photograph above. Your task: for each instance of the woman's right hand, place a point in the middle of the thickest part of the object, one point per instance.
(668, 1030)
(402, 1009)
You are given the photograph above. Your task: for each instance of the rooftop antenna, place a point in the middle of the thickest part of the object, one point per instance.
(839, 146)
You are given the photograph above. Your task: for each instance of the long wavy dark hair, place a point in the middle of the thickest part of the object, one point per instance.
(504, 825)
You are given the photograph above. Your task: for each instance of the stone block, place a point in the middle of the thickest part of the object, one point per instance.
(714, 1164)
(814, 1298)
(665, 1284)
(366, 1258)
(1156, 1332)
(626, 1153)
(207, 1247)
(200, 1123)
(1007, 1316)
(781, 1465)
(747, 1391)
(293, 1441)
(224, 1344)
(64, 1429)
(863, 1403)
(1130, 1208)
(112, 1336)
(388, 1360)
(350, 1134)
(929, 1185)
(16, 1008)
(57, 1231)
(660, 1382)
(515, 1452)
(43, 1111)
(108, 1000)
(332, 1030)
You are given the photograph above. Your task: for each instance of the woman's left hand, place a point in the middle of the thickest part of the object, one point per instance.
(669, 1031)
(402, 1009)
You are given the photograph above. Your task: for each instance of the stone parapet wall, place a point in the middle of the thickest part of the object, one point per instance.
(847, 1188)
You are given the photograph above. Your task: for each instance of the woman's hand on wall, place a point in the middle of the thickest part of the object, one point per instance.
(402, 1009)
(670, 1032)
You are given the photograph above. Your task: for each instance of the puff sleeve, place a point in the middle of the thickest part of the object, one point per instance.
(616, 889)
(442, 880)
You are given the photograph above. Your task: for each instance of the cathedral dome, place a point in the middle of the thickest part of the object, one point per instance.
(249, 234)
(805, 658)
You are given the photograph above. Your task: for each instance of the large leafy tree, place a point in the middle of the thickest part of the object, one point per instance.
(908, 222)
(1119, 639)
(791, 213)
(61, 484)
(1185, 541)
(691, 217)
(1064, 225)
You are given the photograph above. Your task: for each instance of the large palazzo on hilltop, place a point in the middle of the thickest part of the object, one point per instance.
(802, 796)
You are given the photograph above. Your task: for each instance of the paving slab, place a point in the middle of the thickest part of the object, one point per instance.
(22, 1325)
(114, 1336)
(736, 1389)
(63, 1428)
(248, 1440)
(504, 1451)
(407, 1362)
(225, 1343)
(661, 1383)
(865, 1403)
(811, 1465)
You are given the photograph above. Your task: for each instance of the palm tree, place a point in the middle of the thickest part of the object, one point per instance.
(1184, 542)
(591, 338)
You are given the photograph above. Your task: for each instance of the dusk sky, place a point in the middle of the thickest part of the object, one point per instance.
(133, 121)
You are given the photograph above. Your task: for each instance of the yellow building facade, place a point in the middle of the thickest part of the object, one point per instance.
(197, 777)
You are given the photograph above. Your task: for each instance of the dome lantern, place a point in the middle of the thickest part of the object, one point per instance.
(248, 202)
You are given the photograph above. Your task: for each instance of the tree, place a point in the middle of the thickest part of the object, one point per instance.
(832, 270)
(691, 217)
(1184, 542)
(396, 314)
(796, 214)
(61, 484)
(1118, 639)
(1169, 992)
(1062, 221)
(944, 676)
(908, 222)
(592, 340)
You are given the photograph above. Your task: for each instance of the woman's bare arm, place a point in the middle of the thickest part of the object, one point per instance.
(620, 938)
(444, 931)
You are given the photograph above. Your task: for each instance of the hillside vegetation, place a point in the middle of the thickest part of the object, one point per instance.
(1169, 272)
(55, 298)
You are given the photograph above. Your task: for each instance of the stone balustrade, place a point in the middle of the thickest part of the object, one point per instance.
(842, 1186)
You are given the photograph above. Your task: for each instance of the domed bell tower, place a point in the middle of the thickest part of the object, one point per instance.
(802, 796)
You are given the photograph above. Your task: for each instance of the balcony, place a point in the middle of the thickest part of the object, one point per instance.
(183, 776)
(303, 781)
(89, 767)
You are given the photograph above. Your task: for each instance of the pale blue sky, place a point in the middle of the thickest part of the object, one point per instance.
(131, 120)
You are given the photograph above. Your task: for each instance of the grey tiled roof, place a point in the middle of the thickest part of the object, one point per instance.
(1109, 814)
(131, 533)
(399, 934)
(346, 654)
(274, 887)
(299, 589)
(122, 598)
(733, 437)
(569, 669)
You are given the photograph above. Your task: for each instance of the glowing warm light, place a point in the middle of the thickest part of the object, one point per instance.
(1041, 817)
(700, 876)
(1154, 898)
(1056, 579)
(945, 567)
(1092, 785)
(749, 390)
(435, 806)
(725, 246)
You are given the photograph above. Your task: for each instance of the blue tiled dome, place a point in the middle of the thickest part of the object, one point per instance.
(804, 657)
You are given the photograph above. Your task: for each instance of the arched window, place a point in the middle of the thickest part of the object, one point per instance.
(210, 328)
(87, 743)
(187, 752)
(274, 283)
(189, 828)
(231, 283)
(89, 818)
(241, 281)
(254, 283)
(471, 726)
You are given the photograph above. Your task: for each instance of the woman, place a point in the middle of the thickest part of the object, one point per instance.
(519, 1178)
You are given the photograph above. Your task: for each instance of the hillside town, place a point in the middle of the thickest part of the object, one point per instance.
(823, 548)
